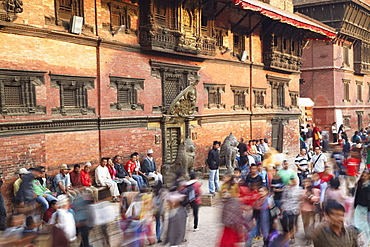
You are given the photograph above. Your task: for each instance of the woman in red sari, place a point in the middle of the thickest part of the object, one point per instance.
(316, 136)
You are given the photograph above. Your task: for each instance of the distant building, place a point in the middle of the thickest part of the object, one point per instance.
(80, 80)
(336, 74)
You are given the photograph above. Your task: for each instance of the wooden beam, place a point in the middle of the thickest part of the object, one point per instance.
(241, 20)
(222, 9)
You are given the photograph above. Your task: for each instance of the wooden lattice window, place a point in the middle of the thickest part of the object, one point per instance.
(278, 88)
(214, 92)
(126, 93)
(259, 97)
(346, 84)
(359, 91)
(121, 16)
(294, 98)
(17, 92)
(240, 94)
(66, 9)
(238, 44)
(73, 94)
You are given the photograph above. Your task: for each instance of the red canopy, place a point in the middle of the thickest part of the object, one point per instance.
(286, 17)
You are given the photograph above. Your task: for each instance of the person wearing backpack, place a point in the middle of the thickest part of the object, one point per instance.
(197, 201)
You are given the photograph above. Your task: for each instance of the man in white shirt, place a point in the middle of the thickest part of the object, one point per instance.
(103, 178)
(318, 161)
(334, 132)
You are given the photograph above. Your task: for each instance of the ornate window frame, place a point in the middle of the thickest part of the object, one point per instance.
(81, 84)
(346, 87)
(294, 96)
(240, 93)
(359, 91)
(259, 97)
(346, 120)
(214, 90)
(27, 82)
(278, 87)
(77, 9)
(131, 85)
(124, 12)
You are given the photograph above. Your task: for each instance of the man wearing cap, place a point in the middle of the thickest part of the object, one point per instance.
(17, 183)
(25, 193)
(62, 182)
(213, 161)
(103, 178)
(150, 168)
(86, 181)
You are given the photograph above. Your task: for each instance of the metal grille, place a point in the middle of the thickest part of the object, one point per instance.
(214, 98)
(123, 97)
(12, 96)
(171, 90)
(239, 99)
(172, 136)
(66, 5)
(69, 97)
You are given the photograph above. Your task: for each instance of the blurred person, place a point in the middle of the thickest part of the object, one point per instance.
(316, 136)
(332, 232)
(25, 194)
(301, 162)
(264, 213)
(337, 158)
(352, 166)
(286, 173)
(277, 187)
(327, 176)
(356, 137)
(263, 173)
(17, 183)
(263, 148)
(198, 201)
(177, 219)
(86, 181)
(44, 195)
(325, 139)
(15, 226)
(64, 229)
(242, 147)
(310, 198)
(130, 167)
(238, 176)
(253, 177)
(334, 132)
(75, 176)
(150, 168)
(82, 216)
(258, 150)
(102, 178)
(229, 185)
(158, 205)
(309, 136)
(122, 173)
(231, 216)
(318, 161)
(266, 144)
(345, 144)
(290, 202)
(53, 206)
(213, 162)
(335, 193)
(177, 181)
(318, 183)
(2, 207)
(362, 204)
(367, 148)
(31, 227)
(62, 182)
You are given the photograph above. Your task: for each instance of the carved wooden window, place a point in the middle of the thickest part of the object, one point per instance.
(346, 120)
(359, 91)
(278, 86)
(240, 95)
(346, 84)
(238, 44)
(73, 94)
(18, 94)
(359, 119)
(161, 12)
(259, 97)
(66, 9)
(214, 92)
(219, 36)
(121, 15)
(346, 56)
(294, 96)
(126, 93)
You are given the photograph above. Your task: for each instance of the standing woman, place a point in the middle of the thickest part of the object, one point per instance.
(362, 204)
(316, 136)
(334, 132)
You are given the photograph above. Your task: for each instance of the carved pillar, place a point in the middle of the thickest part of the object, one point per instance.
(187, 128)
(164, 140)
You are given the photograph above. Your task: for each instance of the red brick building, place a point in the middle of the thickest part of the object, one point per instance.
(336, 75)
(145, 74)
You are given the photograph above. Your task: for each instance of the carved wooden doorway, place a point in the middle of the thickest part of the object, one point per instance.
(277, 137)
(173, 139)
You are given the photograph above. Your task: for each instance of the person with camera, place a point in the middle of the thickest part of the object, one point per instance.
(301, 161)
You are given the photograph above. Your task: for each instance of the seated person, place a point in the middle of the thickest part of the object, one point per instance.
(44, 195)
(139, 172)
(62, 182)
(102, 178)
(130, 167)
(17, 183)
(53, 206)
(25, 194)
(149, 167)
(121, 173)
(86, 181)
(75, 176)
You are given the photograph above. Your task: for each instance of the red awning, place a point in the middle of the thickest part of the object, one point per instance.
(286, 17)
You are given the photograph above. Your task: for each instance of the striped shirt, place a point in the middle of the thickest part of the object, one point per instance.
(302, 161)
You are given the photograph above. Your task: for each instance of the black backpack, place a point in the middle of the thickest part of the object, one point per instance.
(189, 192)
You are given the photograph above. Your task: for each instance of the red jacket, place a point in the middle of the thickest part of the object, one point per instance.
(85, 178)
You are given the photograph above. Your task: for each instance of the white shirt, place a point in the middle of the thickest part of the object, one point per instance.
(319, 166)
(334, 130)
(66, 222)
(102, 175)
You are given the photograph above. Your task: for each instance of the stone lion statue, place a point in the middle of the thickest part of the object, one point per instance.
(229, 149)
(184, 161)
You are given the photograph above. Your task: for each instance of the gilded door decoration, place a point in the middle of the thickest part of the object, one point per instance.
(185, 103)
